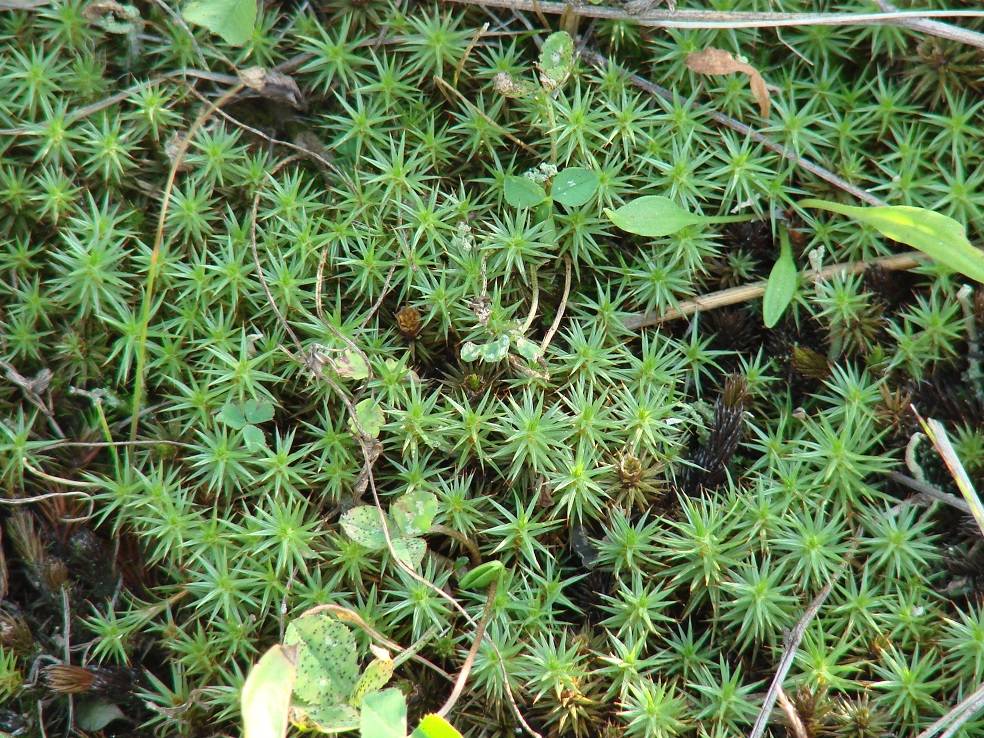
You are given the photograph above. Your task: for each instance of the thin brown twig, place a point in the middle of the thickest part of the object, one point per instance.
(462, 680)
(561, 309)
(752, 291)
(935, 28)
(464, 57)
(930, 491)
(256, 256)
(724, 19)
(148, 296)
(278, 142)
(956, 717)
(600, 61)
(444, 85)
(792, 644)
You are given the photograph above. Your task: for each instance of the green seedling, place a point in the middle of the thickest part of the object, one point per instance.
(781, 286)
(246, 417)
(313, 681)
(571, 187)
(498, 349)
(482, 575)
(409, 518)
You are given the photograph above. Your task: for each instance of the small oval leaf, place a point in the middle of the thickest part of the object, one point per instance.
(258, 412)
(653, 216)
(350, 365)
(371, 417)
(364, 525)
(384, 715)
(434, 726)
(556, 59)
(521, 192)
(327, 664)
(410, 550)
(233, 20)
(414, 512)
(574, 186)
(253, 438)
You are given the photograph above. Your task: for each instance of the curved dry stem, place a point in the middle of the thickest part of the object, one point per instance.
(473, 553)
(459, 685)
(148, 298)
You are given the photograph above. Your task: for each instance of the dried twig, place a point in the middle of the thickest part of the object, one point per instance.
(726, 19)
(935, 28)
(462, 680)
(747, 292)
(792, 643)
(599, 60)
(930, 491)
(955, 718)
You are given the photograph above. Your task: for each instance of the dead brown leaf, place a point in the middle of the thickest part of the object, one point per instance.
(275, 86)
(713, 61)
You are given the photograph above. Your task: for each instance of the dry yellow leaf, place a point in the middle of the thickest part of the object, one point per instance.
(713, 61)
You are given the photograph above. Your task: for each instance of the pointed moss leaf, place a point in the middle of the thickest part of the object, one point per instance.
(781, 287)
(653, 216)
(232, 415)
(938, 236)
(370, 415)
(266, 695)
(409, 550)
(233, 20)
(523, 193)
(325, 718)
(384, 715)
(258, 412)
(414, 512)
(364, 525)
(574, 186)
(482, 575)
(556, 58)
(491, 352)
(526, 348)
(327, 664)
(374, 678)
(434, 726)
(350, 366)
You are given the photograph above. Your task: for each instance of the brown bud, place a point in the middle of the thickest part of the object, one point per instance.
(408, 321)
